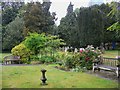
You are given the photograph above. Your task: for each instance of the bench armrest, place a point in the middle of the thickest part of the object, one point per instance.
(96, 61)
(118, 65)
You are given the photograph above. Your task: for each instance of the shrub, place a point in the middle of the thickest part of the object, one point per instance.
(34, 58)
(87, 56)
(23, 52)
(79, 69)
(69, 61)
(46, 59)
(60, 57)
(82, 59)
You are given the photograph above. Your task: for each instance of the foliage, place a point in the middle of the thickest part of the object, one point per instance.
(79, 69)
(13, 34)
(22, 51)
(35, 42)
(43, 45)
(69, 61)
(10, 11)
(85, 24)
(88, 56)
(109, 36)
(37, 17)
(90, 21)
(11, 24)
(18, 19)
(115, 13)
(68, 29)
(82, 59)
(60, 57)
(47, 59)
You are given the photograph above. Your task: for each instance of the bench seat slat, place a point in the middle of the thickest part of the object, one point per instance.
(106, 67)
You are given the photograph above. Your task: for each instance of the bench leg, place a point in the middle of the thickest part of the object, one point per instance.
(117, 72)
(93, 69)
(99, 69)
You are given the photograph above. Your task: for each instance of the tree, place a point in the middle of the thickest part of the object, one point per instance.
(10, 24)
(36, 42)
(115, 12)
(37, 17)
(109, 36)
(13, 34)
(10, 11)
(90, 21)
(87, 25)
(68, 29)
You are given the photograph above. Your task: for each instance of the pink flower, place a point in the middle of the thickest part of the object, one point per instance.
(81, 51)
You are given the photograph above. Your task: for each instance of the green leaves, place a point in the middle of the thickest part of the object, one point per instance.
(115, 26)
(36, 18)
(12, 34)
(115, 13)
(36, 42)
(22, 51)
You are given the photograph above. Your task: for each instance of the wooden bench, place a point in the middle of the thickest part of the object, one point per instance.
(109, 64)
(11, 59)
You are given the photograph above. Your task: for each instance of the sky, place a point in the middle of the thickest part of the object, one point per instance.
(60, 6)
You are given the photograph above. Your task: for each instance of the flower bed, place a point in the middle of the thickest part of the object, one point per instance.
(80, 61)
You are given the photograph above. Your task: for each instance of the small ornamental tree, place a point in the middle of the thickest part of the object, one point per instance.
(35, 42)
(41, 43)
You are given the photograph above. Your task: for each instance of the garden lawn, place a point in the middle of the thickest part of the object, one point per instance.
(111, 53)
(29, 77)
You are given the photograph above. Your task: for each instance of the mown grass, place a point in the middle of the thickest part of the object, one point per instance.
(111, 53)
(29, 77)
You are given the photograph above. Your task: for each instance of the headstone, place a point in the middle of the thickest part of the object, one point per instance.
(76, 50)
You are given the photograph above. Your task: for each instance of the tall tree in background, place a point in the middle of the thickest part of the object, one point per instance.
(68, 27)
(90, 21)
(87, 26)
(37, 17)
(9, 13)
(108, 36)
(14, 34)
(115, 13)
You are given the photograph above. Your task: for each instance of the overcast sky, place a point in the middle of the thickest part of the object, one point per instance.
(60, 6)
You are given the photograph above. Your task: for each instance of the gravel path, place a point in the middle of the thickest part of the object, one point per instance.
(104, 74)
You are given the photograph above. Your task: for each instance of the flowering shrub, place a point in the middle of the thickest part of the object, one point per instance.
(88, 55)
(22, 51)
(83, 59)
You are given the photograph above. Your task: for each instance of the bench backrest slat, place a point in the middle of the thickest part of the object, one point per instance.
(110, 61)
(11, 57)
